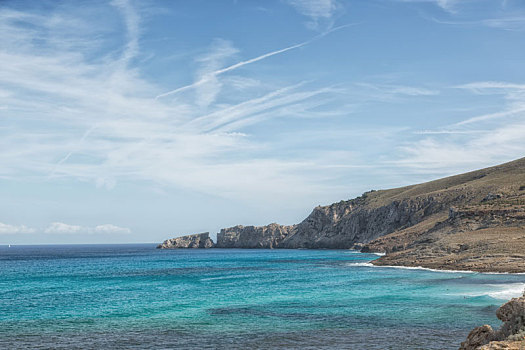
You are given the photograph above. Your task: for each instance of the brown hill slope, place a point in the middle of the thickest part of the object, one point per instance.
(485, 231)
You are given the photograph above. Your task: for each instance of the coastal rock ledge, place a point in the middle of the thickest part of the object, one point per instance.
(510, 336)
(199, 240)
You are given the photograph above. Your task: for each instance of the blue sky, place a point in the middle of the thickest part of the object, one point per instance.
(136, 121)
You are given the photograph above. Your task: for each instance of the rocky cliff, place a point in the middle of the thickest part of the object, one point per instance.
(342, 225)
(473, 221)
(200, 240)
(269, 236)
(484, 237)
(510, 336)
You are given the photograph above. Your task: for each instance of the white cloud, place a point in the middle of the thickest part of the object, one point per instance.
(315, 8)
(60, 227)
(15, 229)
(481, 86)
(480, 140)
(319, 11)
(109, 228)
(447, 5)
(390, 90)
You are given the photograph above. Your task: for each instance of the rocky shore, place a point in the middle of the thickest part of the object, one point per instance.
(511, 334)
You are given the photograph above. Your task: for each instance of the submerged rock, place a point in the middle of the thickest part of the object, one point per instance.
(200, 240)
(511, 335)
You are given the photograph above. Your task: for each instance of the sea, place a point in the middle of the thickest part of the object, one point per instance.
(137, 297)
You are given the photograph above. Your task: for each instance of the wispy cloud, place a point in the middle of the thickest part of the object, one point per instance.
(447, 5)
(485, 139)
(211, 76)
(15, 229)
(62, 228)
(515, 24)
(132, 22)
(109, 228)
(320, 12)
(70, 116)
(482, 86)
(392, 90)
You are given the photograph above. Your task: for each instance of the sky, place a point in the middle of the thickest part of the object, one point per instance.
(137, 121)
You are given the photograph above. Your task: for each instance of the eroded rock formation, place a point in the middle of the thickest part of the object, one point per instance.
(269, 236)
(199, 240)
(510, 336)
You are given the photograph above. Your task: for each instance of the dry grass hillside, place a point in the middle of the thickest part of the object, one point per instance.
(482, 230)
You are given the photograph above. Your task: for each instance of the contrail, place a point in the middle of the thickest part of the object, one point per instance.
(253, 60)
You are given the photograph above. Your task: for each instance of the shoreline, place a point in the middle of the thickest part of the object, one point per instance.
(508, 270)
(371, 264)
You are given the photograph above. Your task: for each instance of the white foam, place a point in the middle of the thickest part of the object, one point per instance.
(500, 291)
(352, 251)
(380, 254)
(425, 268)
(507, 291)
(368, 264)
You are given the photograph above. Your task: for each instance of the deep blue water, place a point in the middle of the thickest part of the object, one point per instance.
(135, 296)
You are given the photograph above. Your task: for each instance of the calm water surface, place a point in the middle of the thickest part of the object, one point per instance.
(134, 296)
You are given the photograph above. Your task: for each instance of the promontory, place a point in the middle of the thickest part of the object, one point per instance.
(473, 221)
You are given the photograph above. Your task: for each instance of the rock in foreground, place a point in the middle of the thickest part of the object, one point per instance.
(200, 240)
(511, 334)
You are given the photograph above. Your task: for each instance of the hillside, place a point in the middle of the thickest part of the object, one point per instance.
(484, 231)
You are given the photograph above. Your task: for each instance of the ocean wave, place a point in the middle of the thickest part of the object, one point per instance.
(507, 291)
(499, 291)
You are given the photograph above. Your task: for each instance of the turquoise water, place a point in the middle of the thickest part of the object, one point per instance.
(134, 296)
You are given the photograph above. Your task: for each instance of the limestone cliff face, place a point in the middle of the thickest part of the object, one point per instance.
(342, 225)
(269, 236)
(338, 226)
(200, 240)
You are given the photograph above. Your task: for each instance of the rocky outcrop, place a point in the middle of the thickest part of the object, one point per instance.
(269, 236)
(477, 337)
(476, 238)
(511, 335)
(200, 240)
(342, 225)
